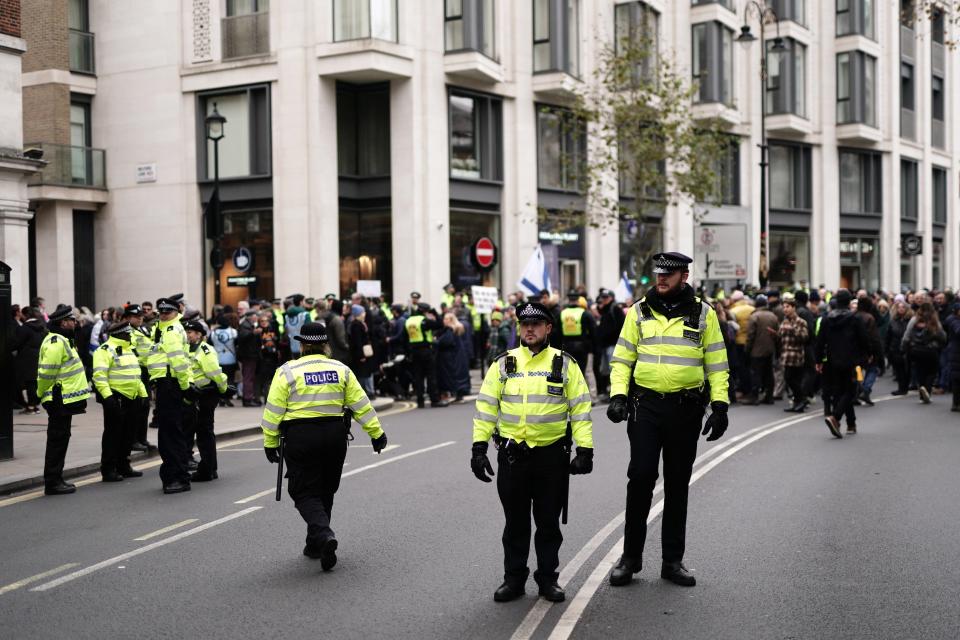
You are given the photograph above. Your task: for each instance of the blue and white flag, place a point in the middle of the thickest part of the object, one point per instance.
(624, 291)
(535, 276)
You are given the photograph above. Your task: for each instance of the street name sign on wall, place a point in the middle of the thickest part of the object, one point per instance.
(720, 252)
(484, 298)
(147, 172)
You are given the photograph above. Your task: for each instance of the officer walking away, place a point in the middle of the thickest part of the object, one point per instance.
(543, 404)
(310, 404)
(170, 371)
(207, 376)
(63, 392)
(842, 345)
(423, 362)
(670, 343)
(579, 330)
(116, 378)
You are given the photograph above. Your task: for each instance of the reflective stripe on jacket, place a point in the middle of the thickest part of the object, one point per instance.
(59, 364)
(141, 343)
(116, 368)
(168, 355)
(205, 367)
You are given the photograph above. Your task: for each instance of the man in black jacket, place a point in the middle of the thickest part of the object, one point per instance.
(608, 330)
(842, 346)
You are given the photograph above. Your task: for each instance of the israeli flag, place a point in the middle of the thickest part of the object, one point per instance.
(535, 276)
(623, 290)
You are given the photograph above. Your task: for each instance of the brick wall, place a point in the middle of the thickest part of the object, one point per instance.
(45, 27)
(10, 17)
(46, 113)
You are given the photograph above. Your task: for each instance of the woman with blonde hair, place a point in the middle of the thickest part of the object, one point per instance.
(922, 342)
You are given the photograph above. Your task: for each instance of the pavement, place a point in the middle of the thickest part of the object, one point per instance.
(791, 534)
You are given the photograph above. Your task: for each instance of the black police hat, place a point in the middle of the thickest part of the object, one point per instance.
(533, 312)
(62, 312)
(177, 297)
(121, 328)
(312, 333)
(670, 262)
(573, 293)
(166, 304)
(132, 310)
(605, 293)
(195, 325)
(415, 294)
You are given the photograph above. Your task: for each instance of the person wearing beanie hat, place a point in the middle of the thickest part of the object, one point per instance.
(306, 421)
(842, 345)
(211, 383)
(63, 391)
(116, 378)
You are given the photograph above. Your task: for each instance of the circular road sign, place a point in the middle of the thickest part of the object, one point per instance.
(242, 259)
(484, 253)
(912, 245)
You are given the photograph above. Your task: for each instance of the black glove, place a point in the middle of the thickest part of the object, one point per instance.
(191, 393)
(111, 403)
(717, 422)
(230, 392)
(379, 444)
(617, 409)
(273, 455)
(479, 463)
(582, 462)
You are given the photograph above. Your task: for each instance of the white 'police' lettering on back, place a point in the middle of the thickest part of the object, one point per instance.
(321, 377)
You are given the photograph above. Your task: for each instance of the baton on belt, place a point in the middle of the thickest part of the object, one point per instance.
(567, 447)
(280, 470)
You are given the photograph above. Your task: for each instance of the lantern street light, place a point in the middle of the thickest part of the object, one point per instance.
(214, 126)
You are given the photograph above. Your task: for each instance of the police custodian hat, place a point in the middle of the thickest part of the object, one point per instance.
(312, 333)
(670, 262)
(62, 311)
(120, 328)
(166, 304)
(533, 312)
(132, 310)
(195, 325)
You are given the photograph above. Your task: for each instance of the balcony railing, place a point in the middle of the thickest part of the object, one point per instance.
(245, 35)
(81, 51)
(69, 166)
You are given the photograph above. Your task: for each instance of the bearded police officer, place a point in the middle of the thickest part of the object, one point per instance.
(542, 400)
(310, 404)
(670, 343)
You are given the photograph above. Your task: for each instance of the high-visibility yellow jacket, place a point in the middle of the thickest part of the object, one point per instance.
(168, 357)
(531, 409)
(668, 355)
(571, 322)
(141, 343)
(416, 334)
(278, 316)
(205, 367)
(315, 386)
(116, 369)
(59, 365)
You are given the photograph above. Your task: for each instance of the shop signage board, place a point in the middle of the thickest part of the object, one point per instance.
(720, 252)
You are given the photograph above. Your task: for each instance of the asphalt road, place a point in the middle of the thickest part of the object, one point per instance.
(792, 534)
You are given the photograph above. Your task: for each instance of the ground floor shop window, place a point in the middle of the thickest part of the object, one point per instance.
(860, 262)
(252, 230)
(639, 241)
(908, 269)
(365, 250)
(789, 259)
(563, 250)
(466, 227)
(937, 264)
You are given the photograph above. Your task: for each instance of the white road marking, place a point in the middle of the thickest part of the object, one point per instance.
(255, 496)
(160, 532)
(136, 552)
(13, 586)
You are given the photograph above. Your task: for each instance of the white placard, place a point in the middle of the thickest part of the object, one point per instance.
(147, 172)
(721, 252)
(369, 288)
(484, 298)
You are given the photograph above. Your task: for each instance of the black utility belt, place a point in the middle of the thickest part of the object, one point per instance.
(684, 395)
(304, 422)
(521, 448)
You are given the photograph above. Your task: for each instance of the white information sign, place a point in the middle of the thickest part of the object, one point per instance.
(484, 298)
(147, 172)
(720, 252)
(369, 288)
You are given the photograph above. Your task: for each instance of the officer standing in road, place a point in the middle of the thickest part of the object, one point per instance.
(207, 376)
(579, 330)
(141, 343)
(116, 378)
(63, 391)
(423, 365)
(543, 403)
(170, 371)
(670, 343)
(310, 404)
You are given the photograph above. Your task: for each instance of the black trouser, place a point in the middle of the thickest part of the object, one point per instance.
(762, 376)
(423, 365)
(671, 425)
(314, 454)
(580, 350)
(58, 437)
(119, 430)
(198, 422)
(603, 381)
(899, 364)
(171, 440)
(535, 478)
(926, 364)
(843, 386)
(794, 377)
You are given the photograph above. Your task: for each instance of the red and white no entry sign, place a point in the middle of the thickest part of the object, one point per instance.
(484, 253)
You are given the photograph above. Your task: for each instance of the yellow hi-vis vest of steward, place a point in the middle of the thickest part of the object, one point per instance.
(141, 343)
(59, 365)
(168, 356)
(525, 407)
(315, 386)
(205, 367)
(415, 332)
(670, 355)
(116, 368)
(571, 321)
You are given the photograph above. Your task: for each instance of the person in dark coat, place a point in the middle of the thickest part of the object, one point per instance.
(952, 325)
(453, 373)
(26, 344)
(358, 337)
(331, 316)
(923, 341)
(609, 324)
(899, 318)
(842, 346)
(248, 353)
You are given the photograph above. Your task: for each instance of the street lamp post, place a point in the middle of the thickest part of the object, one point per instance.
(764, 15)
(214, 125)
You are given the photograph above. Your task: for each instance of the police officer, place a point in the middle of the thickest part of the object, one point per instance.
(542, 401)
(169, 371)
(670, 343)
(207, 376)
(310, 404)
(116, 378)
(141, 343)
(63, 392)
(420, 327)
(578, 330)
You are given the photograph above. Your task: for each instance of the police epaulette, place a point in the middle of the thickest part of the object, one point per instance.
(170, 328)
(567, 355)
(501, 356)
(104, 347)
(53, 338)
(204, 348)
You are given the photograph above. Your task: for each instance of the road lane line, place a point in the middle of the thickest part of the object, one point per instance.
(389, 447)
(390, 460)
(160, 532)
(13, 586)
(136, 552)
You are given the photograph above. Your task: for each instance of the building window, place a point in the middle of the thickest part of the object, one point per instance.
(791, 185)
(939, 195)
(245, 147)
(786, 79)
(794, 10)
(937, 24)
(640, 240)
(469, 25)
(907, 92)
(361, 19)
(638, 28)
(363, 130)
(723, 3)
(245, 31)
(562, 149)
(936, 103)
(253, 229)
(727, 170)
(81, 40)
(556, 36)
(84, 271)
(860, 262)
(713, 62)
(861, 183)
(466, 227)
(246, 7)
(856, 88)
(789, 259)
(907, 13)
(856, 17)
(475, 137)
(366, 251)
(909, 189)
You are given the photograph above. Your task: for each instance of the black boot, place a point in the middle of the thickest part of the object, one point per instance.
(622, 574)
(111, 476)
(552, 592)
(508, 591)
(130, 472)
(59, 488)
(328, 554)
(176, 487)
(676, 573)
